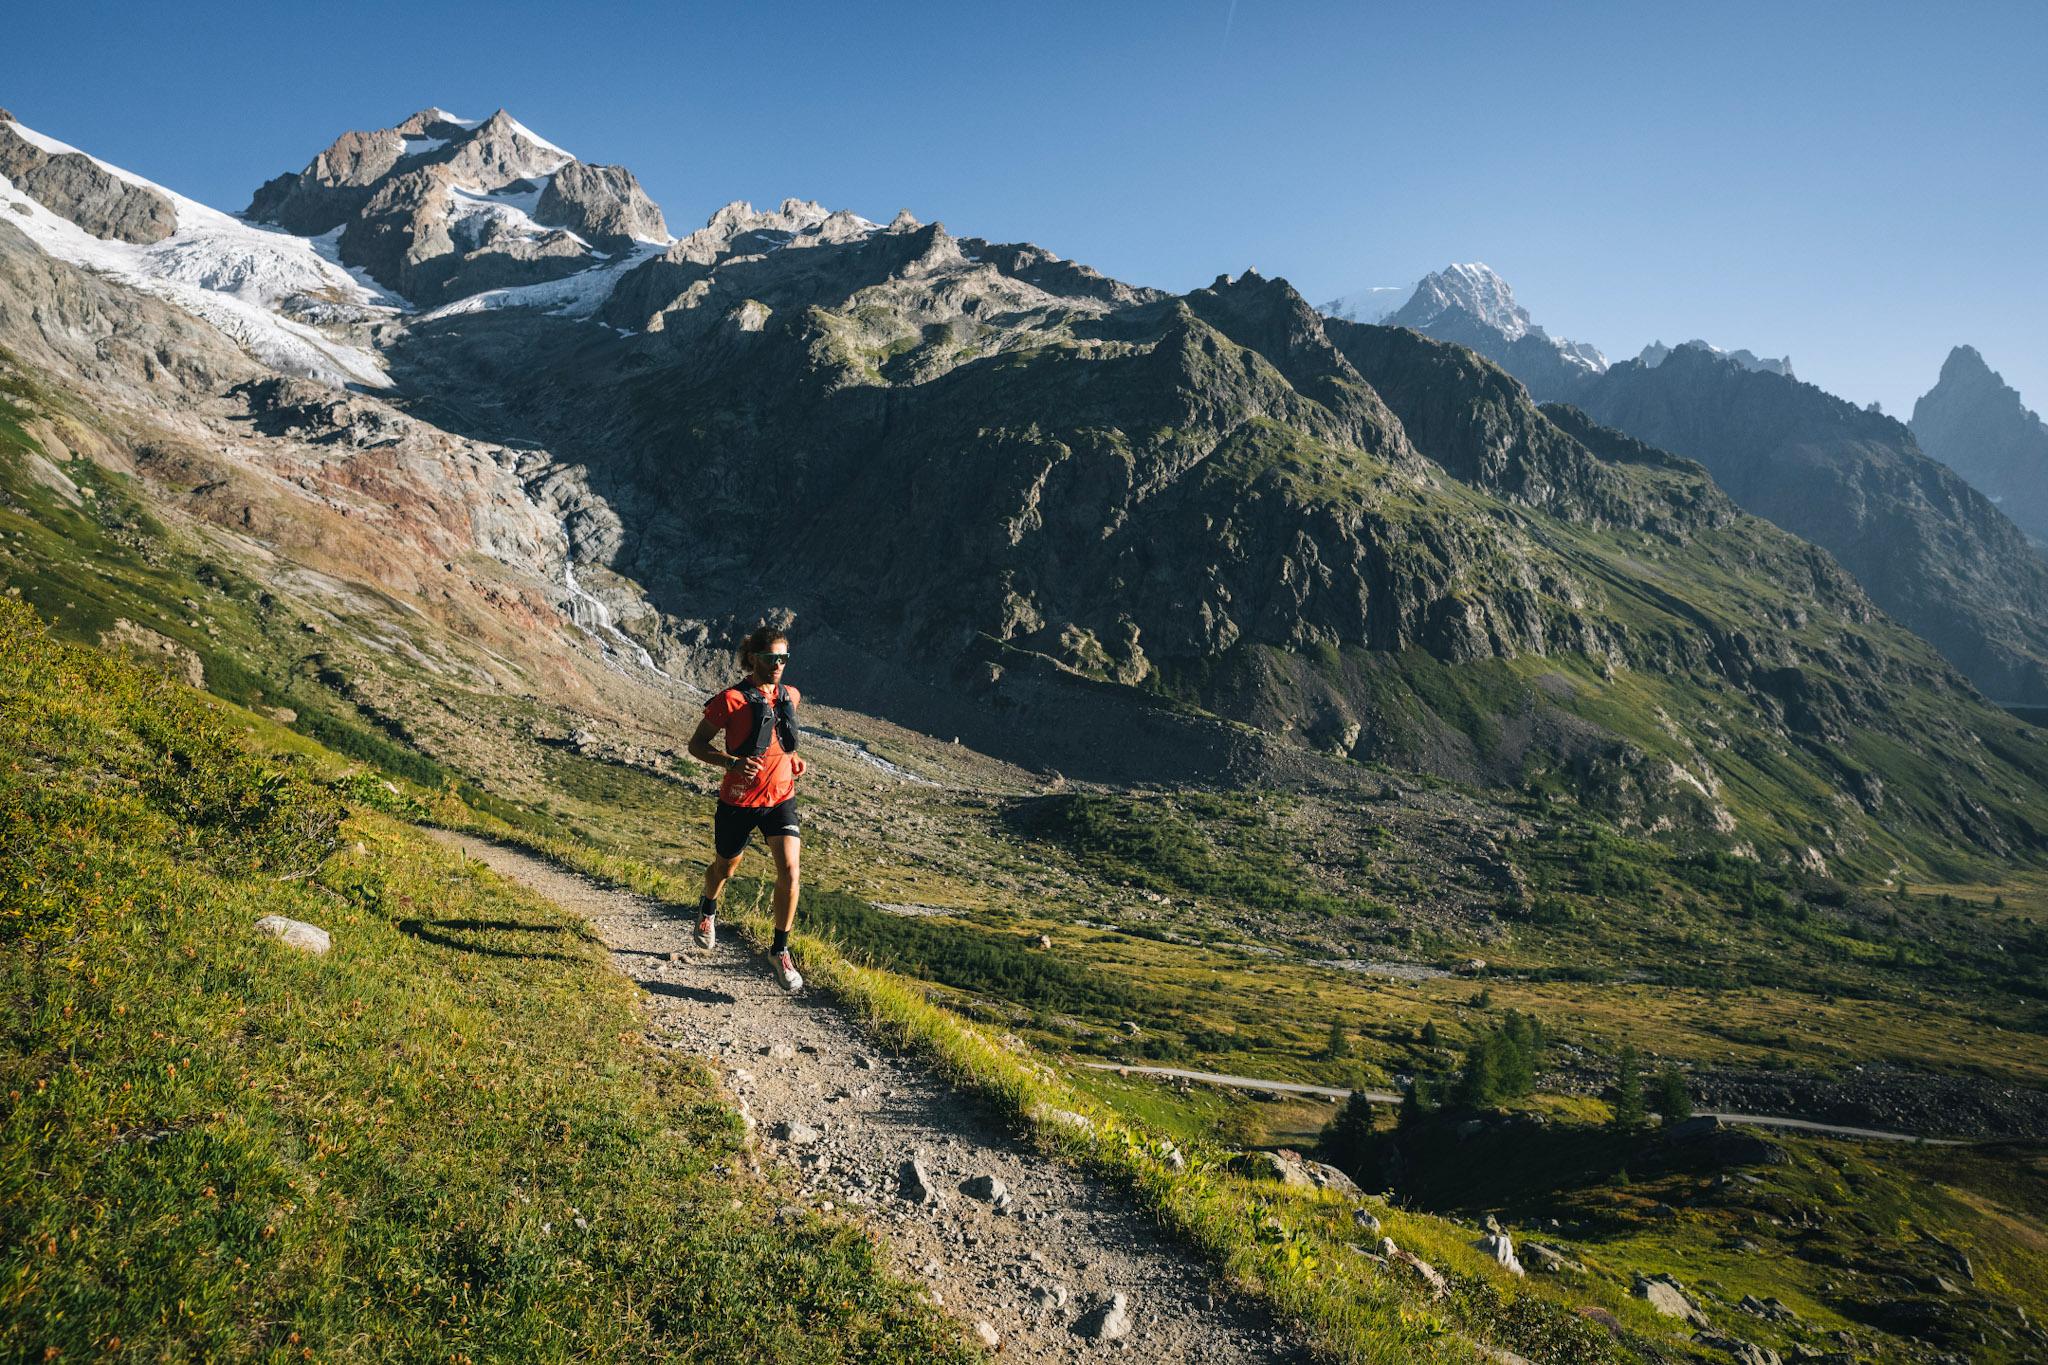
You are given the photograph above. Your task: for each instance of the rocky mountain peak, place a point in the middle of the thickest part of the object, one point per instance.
(1475, 289)
(434, 122)
(1473, 306)
(1977, 424)
(438, 207)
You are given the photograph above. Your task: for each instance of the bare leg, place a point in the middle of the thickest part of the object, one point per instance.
(718, 874)
(788, 850)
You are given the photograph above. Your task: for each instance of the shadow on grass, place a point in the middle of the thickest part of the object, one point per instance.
(433, 933)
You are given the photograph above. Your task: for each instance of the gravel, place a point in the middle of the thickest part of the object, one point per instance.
(1058, 1267)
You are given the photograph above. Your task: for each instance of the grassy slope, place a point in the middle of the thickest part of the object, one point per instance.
(445, 1138)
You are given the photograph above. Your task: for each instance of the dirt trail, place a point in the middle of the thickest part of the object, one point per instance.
(844, 1117)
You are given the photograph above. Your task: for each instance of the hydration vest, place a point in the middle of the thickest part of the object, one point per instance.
(760, 726)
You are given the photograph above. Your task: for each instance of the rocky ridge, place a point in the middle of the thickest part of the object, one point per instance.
(74, 186)
(1931, 550)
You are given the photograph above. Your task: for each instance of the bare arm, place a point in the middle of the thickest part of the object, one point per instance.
(701, 750)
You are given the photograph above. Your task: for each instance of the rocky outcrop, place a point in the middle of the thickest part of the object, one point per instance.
(1974, 422)
(334, 186)
(603, 204)
(76, 187)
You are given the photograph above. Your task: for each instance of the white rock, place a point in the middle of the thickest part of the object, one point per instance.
(309, 938)
(985, 1333)
(1502, 1248)
(1108, 1321)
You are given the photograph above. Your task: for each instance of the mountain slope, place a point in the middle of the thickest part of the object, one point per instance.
(1930, 550)
(1974, 422)
(1022, 504)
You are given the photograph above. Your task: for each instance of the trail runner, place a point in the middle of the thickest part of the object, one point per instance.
(757, 717)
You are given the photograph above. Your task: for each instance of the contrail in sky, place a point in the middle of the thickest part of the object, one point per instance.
(1229, 18)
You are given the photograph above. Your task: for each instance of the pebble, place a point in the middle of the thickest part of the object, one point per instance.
(986, 1188)
(985, 1333)
(779, 1052)
(797, 1133)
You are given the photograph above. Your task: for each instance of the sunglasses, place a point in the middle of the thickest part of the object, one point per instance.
(778, 657)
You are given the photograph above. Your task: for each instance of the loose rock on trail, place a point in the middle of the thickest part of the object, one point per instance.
(1047, 1266)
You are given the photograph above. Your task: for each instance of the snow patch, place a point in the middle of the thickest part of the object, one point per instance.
(227, 272)
(573, 296)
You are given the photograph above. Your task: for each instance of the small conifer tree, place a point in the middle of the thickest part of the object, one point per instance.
(1628, 1091)
(1674, 1102)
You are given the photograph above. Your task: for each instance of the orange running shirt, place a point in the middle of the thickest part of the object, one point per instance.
(775, 783)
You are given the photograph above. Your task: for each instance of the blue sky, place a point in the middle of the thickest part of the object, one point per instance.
(1860, 186)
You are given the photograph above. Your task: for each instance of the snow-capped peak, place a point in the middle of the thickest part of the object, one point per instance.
(1475, 288)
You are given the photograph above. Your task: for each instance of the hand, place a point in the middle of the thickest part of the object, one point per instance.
(797, 766)
(746, 769)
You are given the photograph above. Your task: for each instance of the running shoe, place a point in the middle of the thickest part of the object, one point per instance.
(785, 971)
(707, 932)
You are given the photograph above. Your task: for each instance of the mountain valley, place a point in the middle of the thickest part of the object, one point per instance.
(1323, 694)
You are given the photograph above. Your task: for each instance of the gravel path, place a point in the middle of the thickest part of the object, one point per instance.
(1040, 1266)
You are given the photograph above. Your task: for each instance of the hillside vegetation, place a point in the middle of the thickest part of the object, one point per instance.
(443, 1139)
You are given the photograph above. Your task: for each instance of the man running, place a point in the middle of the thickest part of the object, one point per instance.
(758, 716)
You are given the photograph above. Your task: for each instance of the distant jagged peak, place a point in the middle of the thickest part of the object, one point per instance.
(1967, 368)
(1474, 288)
(904, 221)
(1370, 305)
(797, 222)
(1656, 353)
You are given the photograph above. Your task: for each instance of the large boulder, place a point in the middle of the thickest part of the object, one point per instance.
(1665, 1295)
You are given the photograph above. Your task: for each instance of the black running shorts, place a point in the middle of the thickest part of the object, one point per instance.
(734, 825)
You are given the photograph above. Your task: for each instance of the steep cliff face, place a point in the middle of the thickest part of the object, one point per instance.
(1974, 422)
(1932, 551)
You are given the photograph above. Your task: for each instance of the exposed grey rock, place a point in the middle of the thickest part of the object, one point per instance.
(1439, 1287)
(915, 1183)
(74, 186)
(603, 204)
(797, 1133)
(1366, 1220)
(1666, 1296)
(986, 1188)
(333, 186)
(1107, 1321)
(780, 1052)
(1270, 1166)
(1741, 1352)
(1549, 1260)
(986, 1334)
(307, 938)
